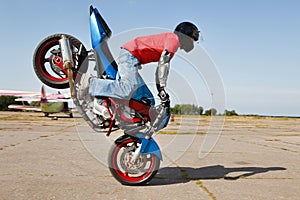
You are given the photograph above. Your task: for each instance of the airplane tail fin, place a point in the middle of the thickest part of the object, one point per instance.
(43, 95)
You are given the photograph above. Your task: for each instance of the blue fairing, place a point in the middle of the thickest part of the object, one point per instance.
(164, 122)
(110, 71)
(98, 33)
(99, 37)
(149, 146)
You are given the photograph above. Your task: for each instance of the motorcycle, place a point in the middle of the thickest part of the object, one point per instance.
(62, 61)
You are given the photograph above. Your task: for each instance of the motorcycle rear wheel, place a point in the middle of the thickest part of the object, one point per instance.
(126, 173)
(47, 60)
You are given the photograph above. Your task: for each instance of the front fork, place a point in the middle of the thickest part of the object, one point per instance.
(148, 144)
(68, 62)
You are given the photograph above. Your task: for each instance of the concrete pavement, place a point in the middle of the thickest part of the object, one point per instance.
(254, 158)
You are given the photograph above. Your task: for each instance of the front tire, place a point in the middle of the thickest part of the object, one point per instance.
(126, 173)
(47, 60)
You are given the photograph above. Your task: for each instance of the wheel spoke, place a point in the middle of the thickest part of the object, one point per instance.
(60, 75)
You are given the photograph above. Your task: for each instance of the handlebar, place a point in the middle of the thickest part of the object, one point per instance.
(160, 121)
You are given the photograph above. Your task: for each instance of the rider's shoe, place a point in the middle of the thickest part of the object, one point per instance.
(100, 109)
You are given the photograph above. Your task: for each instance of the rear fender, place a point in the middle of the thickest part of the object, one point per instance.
(98, 28)
(100, 33)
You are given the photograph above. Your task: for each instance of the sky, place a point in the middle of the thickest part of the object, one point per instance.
(254, 45)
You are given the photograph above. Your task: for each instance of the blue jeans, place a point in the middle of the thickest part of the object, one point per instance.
(122, 88)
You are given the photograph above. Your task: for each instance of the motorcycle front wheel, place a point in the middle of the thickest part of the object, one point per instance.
(47, 60)
(140, 173)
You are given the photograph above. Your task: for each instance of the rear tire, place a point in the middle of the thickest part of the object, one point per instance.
(50, 74)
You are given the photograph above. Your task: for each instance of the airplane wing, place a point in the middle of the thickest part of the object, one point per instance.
(51, 103)
(60, 100)
(38, 99)
(36, 96)
(28, 108)
(58, 96)
(18, 93)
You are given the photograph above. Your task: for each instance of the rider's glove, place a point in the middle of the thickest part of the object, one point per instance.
(164, 97)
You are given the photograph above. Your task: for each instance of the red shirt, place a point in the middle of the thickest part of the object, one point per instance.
(149, 48)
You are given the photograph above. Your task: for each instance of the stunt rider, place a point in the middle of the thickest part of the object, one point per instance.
(142, 50)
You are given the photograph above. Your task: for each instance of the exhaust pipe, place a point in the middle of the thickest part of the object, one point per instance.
(68, 62)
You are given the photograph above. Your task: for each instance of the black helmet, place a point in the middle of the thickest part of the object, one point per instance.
(185, 30)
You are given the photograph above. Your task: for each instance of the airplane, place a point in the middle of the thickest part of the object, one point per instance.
(49, 104)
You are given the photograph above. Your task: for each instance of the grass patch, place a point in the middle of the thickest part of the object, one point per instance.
(13, 145)
(44, 136)
(284, 149)
(272, 140)
(48, 175)
(205, 189)
(261, 126)
(281, 118)
(288, 134)
(179, 132)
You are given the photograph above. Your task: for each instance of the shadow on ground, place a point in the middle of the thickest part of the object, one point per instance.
(175, 175)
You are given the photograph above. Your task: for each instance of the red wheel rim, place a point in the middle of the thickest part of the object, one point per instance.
(125, 175)
(42, 61)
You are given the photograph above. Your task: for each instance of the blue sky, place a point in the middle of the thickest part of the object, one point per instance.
(254, 44)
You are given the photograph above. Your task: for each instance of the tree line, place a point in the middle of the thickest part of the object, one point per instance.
(5, 101)
(191, 109)
(179, 109)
